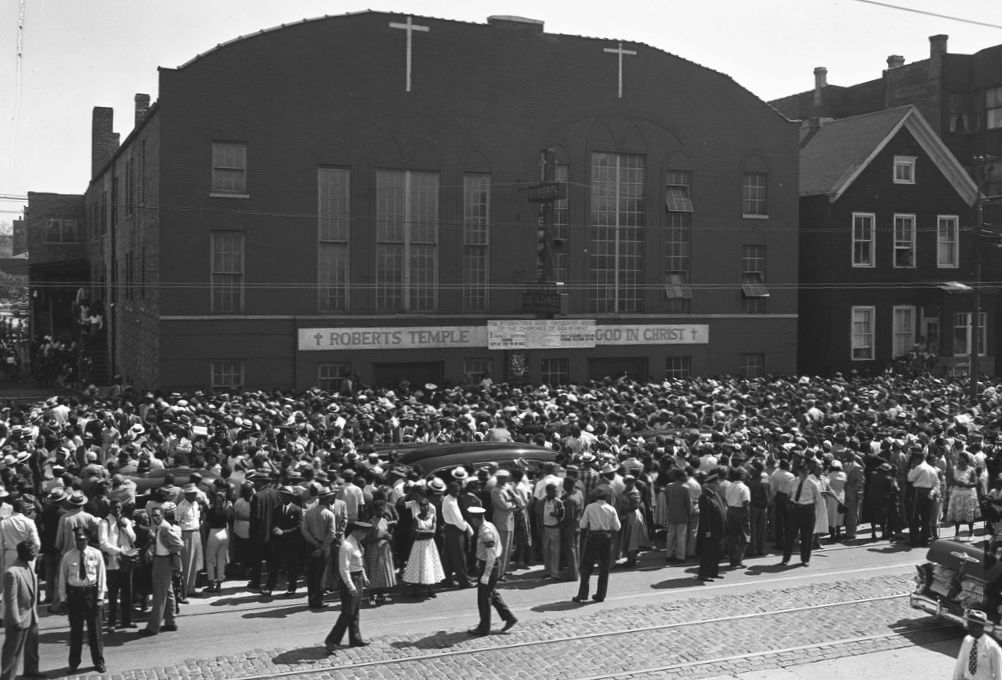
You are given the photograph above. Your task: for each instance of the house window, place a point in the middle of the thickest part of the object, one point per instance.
(555, 371)
(754, 201)
(863, 240)
(904, 330)
(558, 237)
(678, 240)
(332, 249)
(226, 375)
(904, 241)
(476, 369)
(962, 119)
(229, 168)
(617, 232)
(753, 365)
(862, 333)
(947, 242)
(61, 230)
(678, 367)
(904, 169)
(993, 108)
(330, 376)
(753, 289)
(227, 272)
(406, 241)
(476, 234)
(962, 333)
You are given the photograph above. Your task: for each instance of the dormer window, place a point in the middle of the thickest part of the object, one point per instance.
(904, 169)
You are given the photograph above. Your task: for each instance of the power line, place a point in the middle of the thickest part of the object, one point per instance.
(930, 14)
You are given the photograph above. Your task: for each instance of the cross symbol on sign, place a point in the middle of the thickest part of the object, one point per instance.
(318, 337)
(620, 51)
(410, 27)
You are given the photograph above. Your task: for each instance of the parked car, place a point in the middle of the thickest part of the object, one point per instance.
(956, 577)
(441, 458)
(147, 481)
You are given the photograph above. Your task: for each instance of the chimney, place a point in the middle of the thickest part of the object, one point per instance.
(103, 142)
(820, 78)
(937, 45)
(895, 61)
(142, 107)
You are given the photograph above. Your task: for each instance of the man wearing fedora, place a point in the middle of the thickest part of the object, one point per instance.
(321, 528)
(457, 530)
(351, 569)
(20, 614)
(505, 503)
(16, 529)
(75, 518)
(52, 512)
(286, 543)
(980, 657)
(601, 522)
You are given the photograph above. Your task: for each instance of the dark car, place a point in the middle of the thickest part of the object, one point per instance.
(956, 577)
(147, 481)
(440, 458)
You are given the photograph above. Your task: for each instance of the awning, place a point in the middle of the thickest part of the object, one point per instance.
(753, 286)
(677, 199)
(678, 288)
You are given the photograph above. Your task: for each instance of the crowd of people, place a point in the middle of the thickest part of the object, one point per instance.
(304, 489)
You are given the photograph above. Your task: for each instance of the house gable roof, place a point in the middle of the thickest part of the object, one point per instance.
(834, 155)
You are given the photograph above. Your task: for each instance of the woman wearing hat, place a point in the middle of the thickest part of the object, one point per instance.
(379, 551)
(424, 566)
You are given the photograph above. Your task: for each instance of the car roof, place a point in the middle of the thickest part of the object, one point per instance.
(432, 458)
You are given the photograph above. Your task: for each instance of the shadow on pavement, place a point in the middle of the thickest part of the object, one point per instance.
(891, 548)
(301, 655)
(108, 639)
(771, 568)
(929, 633)
(559, 606)
(234, 601)
(683, 582)
(280, 613)
(438, 640)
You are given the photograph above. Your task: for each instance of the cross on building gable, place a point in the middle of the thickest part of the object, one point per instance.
(620, 51)
(410, 27)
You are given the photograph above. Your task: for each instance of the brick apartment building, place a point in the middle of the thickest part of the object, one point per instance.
(349, 195)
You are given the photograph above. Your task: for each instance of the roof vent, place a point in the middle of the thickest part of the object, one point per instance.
(513, 23)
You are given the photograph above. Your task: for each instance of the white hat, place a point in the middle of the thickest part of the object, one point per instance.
(476, 510)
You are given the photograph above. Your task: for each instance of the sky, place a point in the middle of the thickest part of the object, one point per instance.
(61, 58)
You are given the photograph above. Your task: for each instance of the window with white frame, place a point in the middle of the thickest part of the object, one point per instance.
(61, 230)
(754, 195)
(406, 241)
(993, 108)
(753, 365)
(560, 223)
(862, 333)
(476, 235)
(947, 241)
(229, 168)
(754, 292)
(617, 232)
(678, 240)
(962, 333)
(333, 212)
(863, 240)
(226, 374)
(331, 375)
(476, 369)
(678, 367)
(904, 330)
(904, 169)
(555, 371)
(904, 241)
(227, 272)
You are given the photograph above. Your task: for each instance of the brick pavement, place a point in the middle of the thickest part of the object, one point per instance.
(702, 639)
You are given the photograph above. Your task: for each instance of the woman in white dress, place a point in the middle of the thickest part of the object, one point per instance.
(835, 499)
(963, 506)
(424, 566)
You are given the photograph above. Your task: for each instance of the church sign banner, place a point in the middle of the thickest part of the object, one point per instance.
(674, 334)
(405, 337)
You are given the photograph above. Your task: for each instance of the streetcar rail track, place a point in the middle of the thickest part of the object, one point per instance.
(473, 650)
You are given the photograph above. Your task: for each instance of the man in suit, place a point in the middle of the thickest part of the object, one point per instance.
(286, 543)
(570, 530)
(20, 615)
(712, 530)
(167, 547)
(262, 521)
(505, 503)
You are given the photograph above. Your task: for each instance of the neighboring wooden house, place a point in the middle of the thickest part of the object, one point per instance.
(886, 260)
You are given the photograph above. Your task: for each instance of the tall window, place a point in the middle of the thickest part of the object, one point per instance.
(678, 367)
(229, 168)
(617, 232)
(330, 376)
(406, 241)
(904, 330)
(227, 272)
(678, 240)
(993, 107)
(904, 169)
(753, 290)
(904, 241)
(862, 333)
(61, 230)
(947, 241)
(753, 365)
(142, 172)
(754, 195)
(130, 186)
(333, 228)
(863, 240)
(476, 233)
(226, 374)
(476, 369)
(962, 333)
(560, 222)
(555, 371)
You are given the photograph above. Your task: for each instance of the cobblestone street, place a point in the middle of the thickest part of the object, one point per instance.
(694, 638)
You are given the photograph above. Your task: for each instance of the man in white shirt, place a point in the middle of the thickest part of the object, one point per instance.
(456, 533)
(189, 518)
(924, 479)
(601, 521)
(488, 553)
(83, 586)
(980, 657)
(804, 495)
(351, 567)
